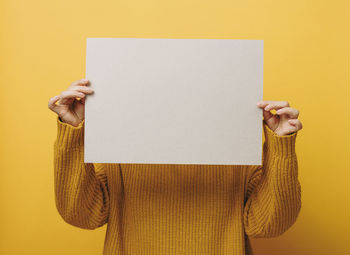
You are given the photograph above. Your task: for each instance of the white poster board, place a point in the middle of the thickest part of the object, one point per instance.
(174, 101)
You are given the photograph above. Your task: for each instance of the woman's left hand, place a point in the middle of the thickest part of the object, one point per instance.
(285, 121)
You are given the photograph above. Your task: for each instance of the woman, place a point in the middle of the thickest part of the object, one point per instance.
(177, 209)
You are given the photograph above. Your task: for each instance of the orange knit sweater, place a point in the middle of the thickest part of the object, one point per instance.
(177, 209)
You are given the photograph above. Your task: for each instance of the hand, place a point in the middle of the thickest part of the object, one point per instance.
(285, 121)
(70, 109)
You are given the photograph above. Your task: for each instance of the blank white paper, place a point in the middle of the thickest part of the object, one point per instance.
(174, 101)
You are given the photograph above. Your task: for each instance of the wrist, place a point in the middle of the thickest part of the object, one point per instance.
(69, 136)
(75, 125)
(282, 145)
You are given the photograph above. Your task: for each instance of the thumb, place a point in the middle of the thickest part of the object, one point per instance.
(52, 104)
(267, 115)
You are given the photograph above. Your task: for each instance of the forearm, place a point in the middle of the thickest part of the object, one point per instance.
(81, 196)
(275, 202)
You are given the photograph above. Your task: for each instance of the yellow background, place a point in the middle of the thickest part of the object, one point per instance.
(307, 60)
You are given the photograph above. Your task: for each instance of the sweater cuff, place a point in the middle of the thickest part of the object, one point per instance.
(279, 145)
(69, 136)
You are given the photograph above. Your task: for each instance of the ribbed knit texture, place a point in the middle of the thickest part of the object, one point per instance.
(177, 209)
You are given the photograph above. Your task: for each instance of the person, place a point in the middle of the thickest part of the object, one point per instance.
(177, 208)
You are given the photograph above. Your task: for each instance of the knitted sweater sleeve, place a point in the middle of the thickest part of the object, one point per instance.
(274, 193)
(81, 193)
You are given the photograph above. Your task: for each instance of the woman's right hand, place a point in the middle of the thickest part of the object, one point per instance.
(70, 109)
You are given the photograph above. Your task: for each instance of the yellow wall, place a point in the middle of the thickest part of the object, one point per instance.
(307, 61)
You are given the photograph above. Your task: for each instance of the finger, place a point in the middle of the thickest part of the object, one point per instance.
(82, 89)
(52, 104)
(262, 104)
(293, 113)
(296, 123)
(80, 82)
(291, 129)
(267, 114)
(69, 94)
(275, 105)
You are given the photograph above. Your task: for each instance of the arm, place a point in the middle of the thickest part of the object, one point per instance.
(274, 192)
(81, 194)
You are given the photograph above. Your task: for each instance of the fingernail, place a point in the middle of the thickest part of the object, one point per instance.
(85, 80)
